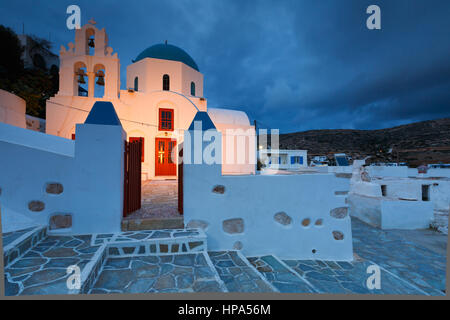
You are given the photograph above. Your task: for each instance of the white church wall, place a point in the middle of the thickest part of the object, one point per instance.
(138, 111)
(44, 176)
(150, 74)
(287, 215)
(151, 71)
(190, 75)
(12, 109)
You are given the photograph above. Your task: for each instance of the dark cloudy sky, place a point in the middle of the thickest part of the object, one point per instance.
(294, 65)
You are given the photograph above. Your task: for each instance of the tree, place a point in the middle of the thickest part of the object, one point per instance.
(11, 64)
(34, 85)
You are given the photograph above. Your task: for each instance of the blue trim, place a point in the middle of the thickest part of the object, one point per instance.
(204, 118)
(167, 52)
(103, 113)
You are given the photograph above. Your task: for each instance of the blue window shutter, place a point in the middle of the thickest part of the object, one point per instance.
(301, 160)
(292, 160)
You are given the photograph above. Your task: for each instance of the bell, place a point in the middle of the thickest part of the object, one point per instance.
(81, 79)
(101, 81)
(91, 43)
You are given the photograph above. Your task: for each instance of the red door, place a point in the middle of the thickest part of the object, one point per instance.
(164, 164)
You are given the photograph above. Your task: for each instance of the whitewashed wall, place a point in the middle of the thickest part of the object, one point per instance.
(389, 213)
(12, 109)
(432, 173)
(383, 171)
(337, 169)
(256, 199)
(90, 171)
(401, 207)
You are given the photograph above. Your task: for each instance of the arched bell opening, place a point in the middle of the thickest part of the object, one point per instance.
(81, 80)
(100, 74)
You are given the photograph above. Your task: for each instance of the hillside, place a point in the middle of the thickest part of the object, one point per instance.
(416, 143)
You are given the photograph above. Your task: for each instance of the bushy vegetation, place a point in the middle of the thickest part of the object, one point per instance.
(34, 85)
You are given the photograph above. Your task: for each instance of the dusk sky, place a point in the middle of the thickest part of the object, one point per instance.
(293, 65)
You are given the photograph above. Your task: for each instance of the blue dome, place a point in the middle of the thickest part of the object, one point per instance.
(167, 52)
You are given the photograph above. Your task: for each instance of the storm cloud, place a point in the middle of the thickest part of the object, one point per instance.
(290, 64)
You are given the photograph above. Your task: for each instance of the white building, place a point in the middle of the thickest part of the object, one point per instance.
(12, 109)
(164, 92)
(392, 198)
(284, 159)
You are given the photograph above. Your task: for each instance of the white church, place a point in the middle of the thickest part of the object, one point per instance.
(164, 92)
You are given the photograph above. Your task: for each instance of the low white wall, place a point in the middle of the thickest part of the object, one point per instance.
(411, 188)
(406, 215)
(256, 199)
(12, 109)
(337, 169)
(431, 173)
(391, 213)
(90, 171)
(382, 171)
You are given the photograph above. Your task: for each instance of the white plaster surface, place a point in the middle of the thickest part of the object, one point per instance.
(90, 170)
(12, 109)
(138, 110)
(256, 199)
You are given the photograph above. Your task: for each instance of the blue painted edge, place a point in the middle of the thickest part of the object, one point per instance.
(204, 118)
(103, 113)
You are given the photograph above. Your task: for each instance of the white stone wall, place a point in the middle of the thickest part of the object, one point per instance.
(292, 216)
(44, 175)
(12, 109)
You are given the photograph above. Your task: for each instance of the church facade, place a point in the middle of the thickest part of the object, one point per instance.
(164, 93)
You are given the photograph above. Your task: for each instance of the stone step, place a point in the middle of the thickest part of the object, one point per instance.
(238, 274)
(17, 243)
(166, 241)
(152, 224)
(280, 275)
(176, 273)
(43, 268)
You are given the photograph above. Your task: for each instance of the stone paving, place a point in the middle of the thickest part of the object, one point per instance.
(147, 235)
(159, 208)
(159, 200)
(10, 237)
(43, 269)
(280, 276)
(237, 274)
(416, 256)
(411, 262)
(158, 274)
(347, 278)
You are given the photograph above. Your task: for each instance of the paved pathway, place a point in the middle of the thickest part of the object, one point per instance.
(417, 256)
(280, 276)
(43, 269)
(237, 274)
(159, 208)
(411, 262)
(158, 274)
(159, 200)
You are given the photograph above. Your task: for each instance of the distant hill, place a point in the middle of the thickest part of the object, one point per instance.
(416, 143)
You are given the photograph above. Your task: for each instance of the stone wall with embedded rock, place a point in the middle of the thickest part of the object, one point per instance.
(73, 187)
(292, 216)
